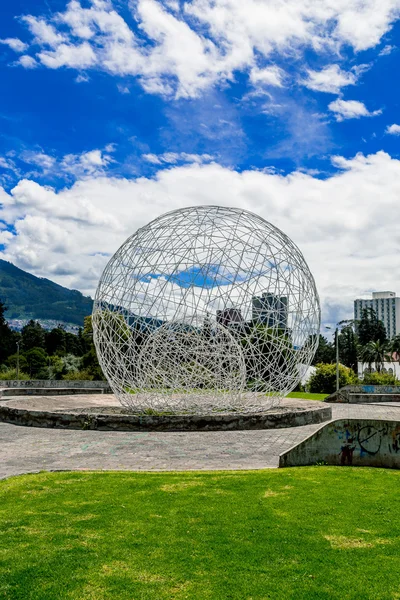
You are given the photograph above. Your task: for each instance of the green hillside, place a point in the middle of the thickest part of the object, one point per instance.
(27, 296)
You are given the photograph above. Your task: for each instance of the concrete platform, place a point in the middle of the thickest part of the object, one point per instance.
(103, 412)
(32, 449)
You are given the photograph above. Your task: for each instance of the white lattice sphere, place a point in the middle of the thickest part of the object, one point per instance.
(205, 308)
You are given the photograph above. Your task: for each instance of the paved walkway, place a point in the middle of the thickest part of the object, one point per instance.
(26, 449)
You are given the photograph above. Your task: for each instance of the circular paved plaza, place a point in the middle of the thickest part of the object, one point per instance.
(31, 449)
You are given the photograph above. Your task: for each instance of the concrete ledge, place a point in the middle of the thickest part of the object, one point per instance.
(368, 398)
(365, 394)
(104, 421)
(358, 442)
(54, 383)
(59, 391)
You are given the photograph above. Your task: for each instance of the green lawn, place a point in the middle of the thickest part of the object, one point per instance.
(306, 396)
(305, 533)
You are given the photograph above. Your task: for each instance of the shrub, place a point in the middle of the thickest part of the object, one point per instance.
(12, 374)
(323, 381)
(380, 379)
(84, 375)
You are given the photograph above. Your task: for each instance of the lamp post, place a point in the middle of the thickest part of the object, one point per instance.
(337, 354)
(18, 343)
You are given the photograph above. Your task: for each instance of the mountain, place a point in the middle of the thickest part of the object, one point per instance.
(30, 297)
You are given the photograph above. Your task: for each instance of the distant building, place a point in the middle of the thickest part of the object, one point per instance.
(270, 310)
(229, 316)
(386, 307)
(392, 368)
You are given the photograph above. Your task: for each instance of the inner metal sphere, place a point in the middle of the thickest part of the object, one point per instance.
(205, 309)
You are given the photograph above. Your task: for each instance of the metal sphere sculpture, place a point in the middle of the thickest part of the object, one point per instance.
(204, 309)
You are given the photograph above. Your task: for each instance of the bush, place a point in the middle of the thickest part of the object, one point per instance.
(71, 364)
(380, 379)
(323, 381)
(12, 374)
(84, 375)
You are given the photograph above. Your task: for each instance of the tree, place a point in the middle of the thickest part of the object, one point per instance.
(348, 348)
(13, 359)
(260, 342)
(325, 352)
(90, 362)
(71, 363)
(33, 335)
(323, 381)
(73, 344)
(8, 337)
(395, 347)
(56, 341)
(376, 352)
(37, 361)
(370, 328)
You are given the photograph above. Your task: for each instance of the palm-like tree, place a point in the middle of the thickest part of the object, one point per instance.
(376, 352)
(395, 346)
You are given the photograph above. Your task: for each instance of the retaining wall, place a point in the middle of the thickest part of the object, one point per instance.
(127, 422)
(6, 393)
(364, 394)
(53, 383)
(359, 442)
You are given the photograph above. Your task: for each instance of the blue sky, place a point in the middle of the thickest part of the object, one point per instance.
(112, 112)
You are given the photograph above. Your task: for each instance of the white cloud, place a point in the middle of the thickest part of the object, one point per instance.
(82, 78)
(15, 44)
(175, 157)
(5, 237)
(350, 109)
(87, 163)
(123, 89)
(331, 79)
(40, 159)
(80, 56)
(273, 76)
(7, 164)
(185, 52)
(28, 62)
(43, 32)
(152, 158)
(386, 50)
(344, 224)
(393, 129)
(92, 163)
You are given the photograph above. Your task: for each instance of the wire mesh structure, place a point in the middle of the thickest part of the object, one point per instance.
(205, 309)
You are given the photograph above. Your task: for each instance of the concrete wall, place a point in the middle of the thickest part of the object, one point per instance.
(129, 422)
(393, 368)
(52, 383)
(360, 442)
(363, 394)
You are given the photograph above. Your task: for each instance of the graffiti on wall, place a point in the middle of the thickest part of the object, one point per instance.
(363, 442)
(367, 439)
(52, 383)
(379, 389)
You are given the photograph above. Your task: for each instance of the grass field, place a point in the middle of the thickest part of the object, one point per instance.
(306, 396)
(301, 534)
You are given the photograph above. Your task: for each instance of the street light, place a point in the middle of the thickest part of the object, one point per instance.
(337, 354)
(18, 343)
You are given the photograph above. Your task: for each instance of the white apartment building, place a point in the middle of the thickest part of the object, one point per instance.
(386, 307)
